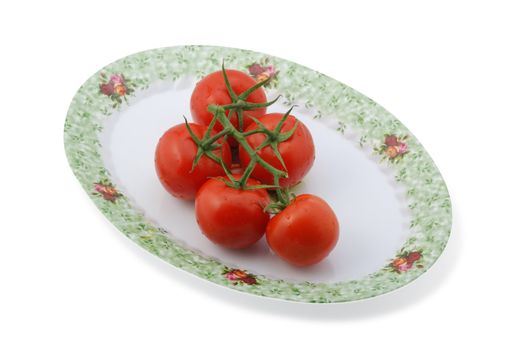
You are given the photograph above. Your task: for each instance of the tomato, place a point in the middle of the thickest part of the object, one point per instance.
(297, 152)
(230, 217)
(305, 232)
(174, 157)
(212, 90)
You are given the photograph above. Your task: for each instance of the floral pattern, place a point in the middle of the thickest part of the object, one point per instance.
(331, 101)
(393, 148)
(262, 71)
(405, 261)
(236, 275)
(116, 87)
(107, 191)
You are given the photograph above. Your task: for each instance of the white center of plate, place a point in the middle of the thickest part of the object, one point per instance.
(370, 205)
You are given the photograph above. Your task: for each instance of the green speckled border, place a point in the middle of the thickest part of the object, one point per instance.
(427, 194)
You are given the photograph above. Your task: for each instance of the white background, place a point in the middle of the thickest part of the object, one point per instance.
(452, 72)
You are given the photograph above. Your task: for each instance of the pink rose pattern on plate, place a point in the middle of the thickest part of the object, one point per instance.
(393, 148)
(262, 70)
(116, 87)
(106, 191)
(406, 261)
(239, 276)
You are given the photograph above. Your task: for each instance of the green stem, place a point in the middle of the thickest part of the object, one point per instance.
(253, 88)
(246, 106)
(215, 138)
(279, 192)
(247, 173)
(231, 92)
(239, 115)
(255, 131)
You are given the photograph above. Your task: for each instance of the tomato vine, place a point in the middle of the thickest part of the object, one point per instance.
(208, 143)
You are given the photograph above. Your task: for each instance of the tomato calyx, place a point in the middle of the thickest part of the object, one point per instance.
(281, 201)
(274, 137)
(207, 144)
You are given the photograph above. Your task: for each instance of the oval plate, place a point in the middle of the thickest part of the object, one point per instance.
(391, 201)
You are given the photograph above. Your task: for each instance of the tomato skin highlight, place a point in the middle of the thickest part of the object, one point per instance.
(297, 152)
(231, 217)
(305, 232)
(174, 156)
(212, 90)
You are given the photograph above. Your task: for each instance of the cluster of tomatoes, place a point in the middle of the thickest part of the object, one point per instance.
(238, 163)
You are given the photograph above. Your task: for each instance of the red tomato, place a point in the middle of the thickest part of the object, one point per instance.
(230, 217)
(305, 232)
(175, 153)
(212, 90)
(297, 152)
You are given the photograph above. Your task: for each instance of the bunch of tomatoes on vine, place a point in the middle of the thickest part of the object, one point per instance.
(239, 163)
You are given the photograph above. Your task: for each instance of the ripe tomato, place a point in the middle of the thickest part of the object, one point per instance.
(212, 90)
(297, 152)
(231, 217)
(174, 157)
(305, 232)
